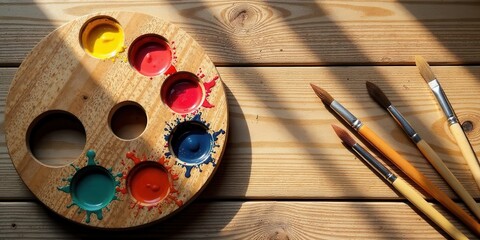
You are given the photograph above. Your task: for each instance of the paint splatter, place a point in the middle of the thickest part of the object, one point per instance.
(171, 192)
(169, 130)
(208, 88)
(92, 187)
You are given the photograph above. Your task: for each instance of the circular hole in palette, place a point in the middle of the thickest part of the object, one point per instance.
(102, 37)
(191, 142)
(56, 138)
(182, 92)
(128, 120)
(92, 188)
(148, 183)
(150, 55)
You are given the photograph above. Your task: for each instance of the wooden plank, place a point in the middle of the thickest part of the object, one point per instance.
(280, 32)
(281, 145)
(242, 220)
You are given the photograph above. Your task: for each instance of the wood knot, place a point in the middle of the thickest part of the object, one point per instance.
(278, 234)
(467, 126)
(469, 122)
(244, 17)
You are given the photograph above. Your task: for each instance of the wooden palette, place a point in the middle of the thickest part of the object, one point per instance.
(104, 75)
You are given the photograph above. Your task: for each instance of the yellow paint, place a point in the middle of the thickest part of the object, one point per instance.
(103, 38)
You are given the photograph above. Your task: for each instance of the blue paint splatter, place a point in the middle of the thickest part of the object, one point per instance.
(192, 141)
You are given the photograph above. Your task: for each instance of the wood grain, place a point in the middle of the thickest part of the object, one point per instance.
(58, 75)
(280, 32)
(281, 145)
(243, 220)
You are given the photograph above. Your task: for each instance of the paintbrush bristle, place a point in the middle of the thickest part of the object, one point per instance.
(343, 135)
(322, 94)
(377, 94)
(424, 69)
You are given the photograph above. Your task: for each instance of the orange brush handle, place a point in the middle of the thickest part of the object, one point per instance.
(419, 178)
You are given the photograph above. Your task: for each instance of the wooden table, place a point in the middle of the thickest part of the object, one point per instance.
(285, 175)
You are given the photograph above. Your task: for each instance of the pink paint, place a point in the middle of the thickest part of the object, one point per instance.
(182, 92)
(150, 55)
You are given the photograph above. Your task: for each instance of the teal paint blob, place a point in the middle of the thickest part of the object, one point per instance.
(92, 187)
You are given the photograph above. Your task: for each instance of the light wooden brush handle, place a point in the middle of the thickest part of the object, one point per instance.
(416, 199)
(466, 150)
(441, 168)
(419, 178)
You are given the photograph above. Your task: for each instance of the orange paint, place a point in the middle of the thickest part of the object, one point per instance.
(149, 183)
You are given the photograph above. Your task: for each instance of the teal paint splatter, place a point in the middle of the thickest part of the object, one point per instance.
(92, 187)
(170, 127)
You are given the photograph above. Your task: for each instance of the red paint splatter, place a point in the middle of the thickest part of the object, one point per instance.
(133, 157)
(171, 70)
(208, 89)
(172, 195)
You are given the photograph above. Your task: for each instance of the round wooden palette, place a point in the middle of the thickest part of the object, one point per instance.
(99, 75)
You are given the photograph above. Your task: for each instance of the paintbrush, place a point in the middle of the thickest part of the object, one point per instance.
(452, 119)
(398, 160)
(406, 190)
(379, 96)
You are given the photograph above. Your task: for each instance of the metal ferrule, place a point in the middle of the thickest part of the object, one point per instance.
(404, 124)
(374, 163)
(443, 101)
(346, 115)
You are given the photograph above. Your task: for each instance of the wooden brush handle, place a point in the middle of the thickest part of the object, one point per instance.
(441, 168)
(419, 178)
(416, 199)
(466, 150)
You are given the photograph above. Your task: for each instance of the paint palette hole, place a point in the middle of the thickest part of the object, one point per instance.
(191, 142)
(150, 55)
(182, 92)
(56, 138)
(128, 120)
(102, 37)
(148, 183)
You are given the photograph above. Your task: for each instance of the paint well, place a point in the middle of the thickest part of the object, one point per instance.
(191, 142)
(150, 55)
(182, 92)
(93, 188)
(148, 183)
(102, 37)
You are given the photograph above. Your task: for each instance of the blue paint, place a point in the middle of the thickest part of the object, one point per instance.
(191, 141)
(92, 187)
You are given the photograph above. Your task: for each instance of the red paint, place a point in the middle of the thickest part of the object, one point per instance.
(171, 70)
(208, 89)
(150, 55)
(182, 92)
(149, 184)
(184, 96)
(133, 157)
